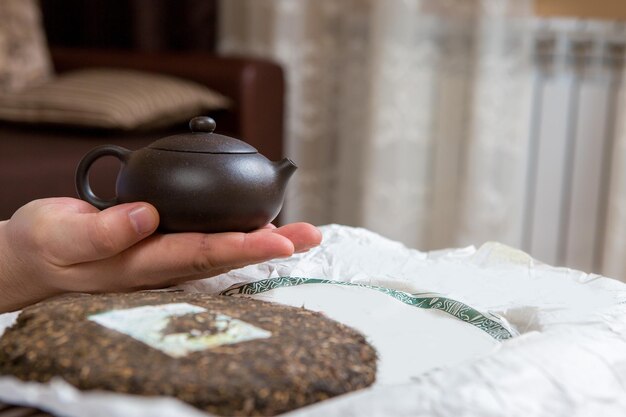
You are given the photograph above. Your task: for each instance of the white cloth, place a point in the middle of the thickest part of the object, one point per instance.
(568, 361)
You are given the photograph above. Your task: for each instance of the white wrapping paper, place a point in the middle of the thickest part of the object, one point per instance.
(570, 359)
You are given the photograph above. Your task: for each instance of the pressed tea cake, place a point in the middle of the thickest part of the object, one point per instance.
(225, 355)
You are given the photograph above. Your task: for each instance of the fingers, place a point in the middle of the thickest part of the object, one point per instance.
(174, 258)
(76, 238)
(163, 259)
(304, 236)
(268, 226)
(187, 254)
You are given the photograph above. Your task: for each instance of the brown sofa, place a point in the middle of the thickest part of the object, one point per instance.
(39, 161)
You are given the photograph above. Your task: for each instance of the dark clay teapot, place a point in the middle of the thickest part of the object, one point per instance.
(199, 181)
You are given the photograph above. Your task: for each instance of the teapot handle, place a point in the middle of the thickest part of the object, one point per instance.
(82, 174)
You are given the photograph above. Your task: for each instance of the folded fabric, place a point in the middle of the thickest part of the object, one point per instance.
(24, 57)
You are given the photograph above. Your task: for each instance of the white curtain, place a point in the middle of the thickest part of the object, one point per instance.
(614, 249)
(416, 119)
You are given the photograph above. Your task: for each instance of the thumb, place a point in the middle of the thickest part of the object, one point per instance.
(85, 237)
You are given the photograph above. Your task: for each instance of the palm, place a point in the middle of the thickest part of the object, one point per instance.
(72, 246)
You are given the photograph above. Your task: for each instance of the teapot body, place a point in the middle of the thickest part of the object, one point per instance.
(197, 192)
(198, 182)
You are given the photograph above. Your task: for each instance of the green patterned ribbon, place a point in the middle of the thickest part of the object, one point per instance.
(492, 325)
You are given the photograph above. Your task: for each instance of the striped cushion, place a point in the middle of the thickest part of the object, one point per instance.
(111, 99)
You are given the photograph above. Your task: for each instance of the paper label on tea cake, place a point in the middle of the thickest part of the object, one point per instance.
(148, 324)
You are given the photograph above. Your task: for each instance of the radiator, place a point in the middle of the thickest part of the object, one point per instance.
(576, 82)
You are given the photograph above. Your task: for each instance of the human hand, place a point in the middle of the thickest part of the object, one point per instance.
(59, 245)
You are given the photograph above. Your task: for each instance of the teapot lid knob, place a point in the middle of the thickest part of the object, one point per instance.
(202, 124)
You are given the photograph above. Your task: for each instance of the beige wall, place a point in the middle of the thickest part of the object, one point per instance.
(602, 9)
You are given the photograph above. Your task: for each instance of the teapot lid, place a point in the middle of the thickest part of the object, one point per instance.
(202, 140)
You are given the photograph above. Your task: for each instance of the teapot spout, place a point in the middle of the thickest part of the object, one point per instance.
(285, 168)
